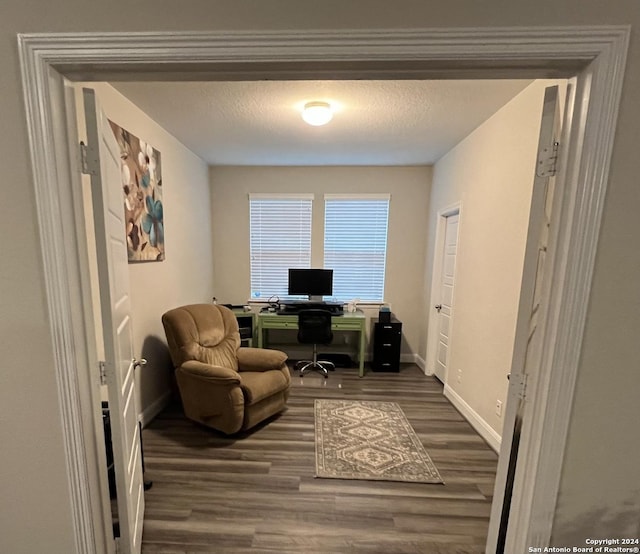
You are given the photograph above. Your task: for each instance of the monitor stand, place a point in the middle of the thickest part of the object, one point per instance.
(317, 299)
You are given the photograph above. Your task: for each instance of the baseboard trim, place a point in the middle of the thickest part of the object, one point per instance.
(420, 362)
(153, 409)
(480, 425)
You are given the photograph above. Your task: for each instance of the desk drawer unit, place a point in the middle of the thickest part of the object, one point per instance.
(280, 322)
(246, 324)
(386, 346)
(346, 324)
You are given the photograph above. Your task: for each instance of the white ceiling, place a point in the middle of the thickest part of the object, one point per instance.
(375, 122)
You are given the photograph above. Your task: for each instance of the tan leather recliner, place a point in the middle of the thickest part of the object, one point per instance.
(222, 385)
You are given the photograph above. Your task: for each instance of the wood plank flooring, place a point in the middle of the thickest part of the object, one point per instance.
(256, 493)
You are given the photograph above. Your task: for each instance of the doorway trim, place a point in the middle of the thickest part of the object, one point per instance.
(596, 54)
(438, 260)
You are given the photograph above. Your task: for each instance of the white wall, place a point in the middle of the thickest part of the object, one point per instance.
(186, 274)
(406, 239)
(601, 474)
(491, 173)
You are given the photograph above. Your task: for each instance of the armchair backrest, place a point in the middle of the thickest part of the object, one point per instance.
(206, 333)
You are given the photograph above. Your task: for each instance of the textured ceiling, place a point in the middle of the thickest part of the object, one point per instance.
(375, 122)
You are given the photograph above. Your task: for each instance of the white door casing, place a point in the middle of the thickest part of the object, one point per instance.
(444, 306)
(530, 320)
(432, 315)
(595, 54)
(103, 165)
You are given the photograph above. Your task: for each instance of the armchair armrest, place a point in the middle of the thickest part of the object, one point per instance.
(211, 372)
(260, 359)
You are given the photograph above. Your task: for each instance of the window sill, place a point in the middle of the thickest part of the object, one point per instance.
(360, 305)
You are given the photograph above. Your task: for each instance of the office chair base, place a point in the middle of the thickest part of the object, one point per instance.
(320, 366)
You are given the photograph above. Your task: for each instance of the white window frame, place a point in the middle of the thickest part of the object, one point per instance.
(271, 277)
(360, 292)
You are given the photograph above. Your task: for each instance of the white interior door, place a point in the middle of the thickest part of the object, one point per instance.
(526, 354)
(103, 165)
(444, 307)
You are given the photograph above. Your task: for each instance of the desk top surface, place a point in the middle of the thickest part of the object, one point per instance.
(346, 315)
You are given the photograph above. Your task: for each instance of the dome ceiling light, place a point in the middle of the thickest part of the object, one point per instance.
(317, 113)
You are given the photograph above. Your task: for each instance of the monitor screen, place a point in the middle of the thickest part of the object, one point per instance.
(311, 282)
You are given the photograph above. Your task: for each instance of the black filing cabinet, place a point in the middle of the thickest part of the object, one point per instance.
(386, 345)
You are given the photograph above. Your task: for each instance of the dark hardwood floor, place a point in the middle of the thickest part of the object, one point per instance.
(256, 493)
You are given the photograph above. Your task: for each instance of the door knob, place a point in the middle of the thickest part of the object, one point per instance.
(138, 363)
(438, 307)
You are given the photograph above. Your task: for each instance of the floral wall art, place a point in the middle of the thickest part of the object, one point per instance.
(142, 193)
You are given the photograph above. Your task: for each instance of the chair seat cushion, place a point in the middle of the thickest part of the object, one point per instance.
(258, 385)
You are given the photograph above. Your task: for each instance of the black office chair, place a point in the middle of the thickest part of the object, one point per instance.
(314, 327)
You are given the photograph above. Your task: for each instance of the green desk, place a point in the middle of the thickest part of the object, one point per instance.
(348, 322)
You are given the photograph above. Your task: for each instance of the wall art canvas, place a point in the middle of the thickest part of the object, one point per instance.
(142, 195)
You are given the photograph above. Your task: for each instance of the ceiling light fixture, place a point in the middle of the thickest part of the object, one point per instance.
(317, 113)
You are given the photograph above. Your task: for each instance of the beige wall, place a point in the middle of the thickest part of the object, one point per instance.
(601, 474)
(406, 241)
(186, 274)
(491, 174)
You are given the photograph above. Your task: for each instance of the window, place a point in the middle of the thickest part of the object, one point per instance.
(355, 244)
(280, 238)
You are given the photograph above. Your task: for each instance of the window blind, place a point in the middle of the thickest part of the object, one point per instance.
(355, 245)
(280, 238)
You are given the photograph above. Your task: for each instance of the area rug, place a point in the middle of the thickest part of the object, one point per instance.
(369, 440)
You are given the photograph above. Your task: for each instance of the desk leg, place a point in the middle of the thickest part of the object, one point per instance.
(363, 340)
(259, 332)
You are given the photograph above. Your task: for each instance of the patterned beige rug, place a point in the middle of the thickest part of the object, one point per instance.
(369, 440)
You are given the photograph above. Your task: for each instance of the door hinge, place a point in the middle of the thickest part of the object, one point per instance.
(103, 372)
(89, 163)
(519, 382)
(547, 160)
(84, 168)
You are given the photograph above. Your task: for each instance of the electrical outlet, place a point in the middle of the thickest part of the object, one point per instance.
(459, 377)
(499, 408)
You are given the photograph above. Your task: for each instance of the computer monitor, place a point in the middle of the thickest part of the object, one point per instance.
(314, 283)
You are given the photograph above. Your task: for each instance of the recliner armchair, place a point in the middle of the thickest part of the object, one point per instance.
(222, 385)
